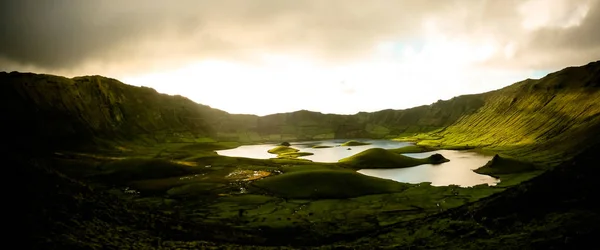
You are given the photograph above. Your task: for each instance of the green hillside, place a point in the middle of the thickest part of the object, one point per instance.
(103, 112)
(374, 158)
(108, 165)
(533, 116)
(543, 121)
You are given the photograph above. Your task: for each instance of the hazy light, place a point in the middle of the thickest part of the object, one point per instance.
(395, 76)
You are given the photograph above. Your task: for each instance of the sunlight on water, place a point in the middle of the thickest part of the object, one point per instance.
(458, 171)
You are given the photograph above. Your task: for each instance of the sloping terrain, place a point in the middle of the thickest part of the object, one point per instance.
(84, 110)
(199, 199)
(105, 112)
(556, 210)
(552, 115)
(543, 121)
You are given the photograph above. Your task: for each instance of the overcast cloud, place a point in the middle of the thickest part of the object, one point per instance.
(139, 37)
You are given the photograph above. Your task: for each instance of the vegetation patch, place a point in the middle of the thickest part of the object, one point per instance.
(142, 169)
(247, 175)
(502, 166)
(354, 143)
(282, 149)
(322, 146)
(437, 159)
(381, 158)
(412, 149)
(194, 189)
(327, 184)
(294, 155)
(211, 146)
(286, 152)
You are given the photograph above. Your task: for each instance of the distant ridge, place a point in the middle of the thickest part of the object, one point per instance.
(558, 111)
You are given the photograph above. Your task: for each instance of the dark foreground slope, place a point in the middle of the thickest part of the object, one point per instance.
(556, 210)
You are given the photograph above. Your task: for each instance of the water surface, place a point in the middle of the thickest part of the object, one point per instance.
(458, 171)
(333, 154)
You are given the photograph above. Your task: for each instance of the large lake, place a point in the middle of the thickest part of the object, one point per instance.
(458, 171)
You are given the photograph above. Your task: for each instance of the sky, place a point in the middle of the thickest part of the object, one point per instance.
(332, 56)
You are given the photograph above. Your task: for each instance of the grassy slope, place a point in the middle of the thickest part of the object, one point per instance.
(63, 213)
(71, 113)
(327, 184)
(532, 122)
(282, 150)
(411, 149)
(106, 112)
(382, 158)
(354, 143)
(541, 121)
(532, 115)
(500, 165)
(556, 210)
(123, 171)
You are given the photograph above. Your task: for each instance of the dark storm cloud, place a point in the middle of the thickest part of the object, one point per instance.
(63, 34)
(556, 46)
(55, 34)
(134, 35)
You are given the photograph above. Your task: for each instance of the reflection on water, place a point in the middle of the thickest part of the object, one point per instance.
(458, 171)
(249, 151)
(333, 154)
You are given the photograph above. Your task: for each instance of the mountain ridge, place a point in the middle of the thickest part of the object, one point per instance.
(545, 121)
(99, 111)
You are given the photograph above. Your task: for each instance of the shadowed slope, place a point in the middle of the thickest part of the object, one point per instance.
(74, 112)
(100, 111)
(556, 210)
(327, 184)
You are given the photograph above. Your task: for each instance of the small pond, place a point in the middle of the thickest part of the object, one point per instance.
(457, 171)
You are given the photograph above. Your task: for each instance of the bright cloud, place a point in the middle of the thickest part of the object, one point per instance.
(335, 56)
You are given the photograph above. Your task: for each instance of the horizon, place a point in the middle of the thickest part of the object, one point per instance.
(337, 57)
(292, 111)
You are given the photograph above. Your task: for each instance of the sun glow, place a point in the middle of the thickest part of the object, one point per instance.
(396, 76)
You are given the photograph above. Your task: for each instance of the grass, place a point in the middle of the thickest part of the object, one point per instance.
(411, 149)
(326, 184)
(294, 155)
(195, 189)
(286, 152)
(354, 143)
(503, 166)
(122, 171)
(310, 167)
(322, 146)
(210, 146)
(381, 158)
(328, 198)
(282, 149)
